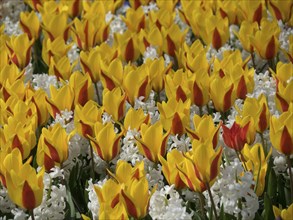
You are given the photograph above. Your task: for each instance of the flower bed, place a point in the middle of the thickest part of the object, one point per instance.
(146, 109)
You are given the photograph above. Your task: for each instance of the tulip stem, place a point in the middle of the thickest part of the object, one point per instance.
(263, 143)
(32, 214)
(92, 163)
(253, 61)
(212, 200)
(97, 92)
(200, 111)
(291, 177)
(202, 203)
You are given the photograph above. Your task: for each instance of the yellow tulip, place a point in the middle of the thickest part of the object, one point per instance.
(257, 109)
(201, 166)
(253, 11)
(82, 87)
(150, 37)
(257, 162)
(173, 39)
(153, 141)
(174, 158)
(74, 7)
(134, 118)
(284, 214)
(246, 30)
(62, 69)
(61, 99)
(55, 25)
(222, 93)
(281, 10)
(16, 88)
(55, 49)
(174, 115)
(176, 86)
(199, 84)
(204, 130)
(35, 4)
(265, 41)
(106, 143)
(141, 87)
(52, 147)
(168, 5)
(126, 173)
(90, 64)
(128, 46)
(136, 197)
(112, 74)
(281, 132)
(24, 185)
(117, 212)
(136, 3)
(100, 7)
(85, 118)
(229, 9)
(10, 73)
(20, 50)
(30, 24)
(39, 99)
(114, 103)
(162, 17)
(135, 19)
(248, 120)
(213, 29)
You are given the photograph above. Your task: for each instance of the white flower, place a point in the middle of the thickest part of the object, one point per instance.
(44, 81)
(182, 144)
(64, 120)
(150, 53)
(154, 174)
(19, 214)
(6, 205)
(152, 6)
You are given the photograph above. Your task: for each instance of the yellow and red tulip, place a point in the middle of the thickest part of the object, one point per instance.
(281, 132)
(153, 141)
(30, 24)
(114, 103)
(135, 118)
(85, 118)
(174, 158)
(24, 185)
(135, 19)
(126, 173)
(112, 74)
(52, 147)
(62, 68)
(162, 17)
(253, 11)
(246, 30)
(106, 143)
(39, 99)
(136, 3)
(174, 115)
(281, 10)
(19, 48)
(74, 7)
(90, 64)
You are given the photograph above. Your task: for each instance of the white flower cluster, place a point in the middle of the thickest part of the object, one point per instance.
(150, 53)
(64, 120)
(232, 187)
(54, 196)
(166, 203)
(11, 9)
(152, 6)
(182, 143)
(6, 205)
(44, 81)
(154, 174)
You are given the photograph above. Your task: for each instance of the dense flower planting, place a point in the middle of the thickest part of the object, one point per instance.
(143, 109)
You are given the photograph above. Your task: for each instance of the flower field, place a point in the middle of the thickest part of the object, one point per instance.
(143, 109)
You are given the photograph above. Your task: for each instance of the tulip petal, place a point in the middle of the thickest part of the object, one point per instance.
(286, 144)
(130, 206)
(28, 197)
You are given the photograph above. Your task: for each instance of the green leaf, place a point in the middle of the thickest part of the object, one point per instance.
(281, 191)
(268, 211)
(272, 185)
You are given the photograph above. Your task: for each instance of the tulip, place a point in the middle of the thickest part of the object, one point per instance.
(16, 88)
(199, 85)
(157, 72)
(229, 9)
(173, 39)
(39, 100)
(152, 37)
(55, 25)
(35, 4)
(126, 173)
(222, 93)
(141, 87)
(52, 147)
(136, 3)
(55, 49)
(213, 29)
(174, 115)
(114, 103)
(135, 118)
(57, 102)
(24, 185)
(10, 73)
(251, 130)
(134, 19)
(85, 118)
(168, 5)
(201, 166)
(235, 137)
(257, 162)
(265, 41)
(82, 87)
(284, 214)
(204, 130)
(153, 141)
(106, 143)
(281, 10)
(112, 75)
(90, 64)
(174, 158)
(118, 212)
(62, 68)
(253, 11)
(74, 7)
(246, 30)
(257, 109)
(289, 51)
(20, 50)
(162, 17)
(127, 44)
(30, 24)
(136, 197)
(281, 132)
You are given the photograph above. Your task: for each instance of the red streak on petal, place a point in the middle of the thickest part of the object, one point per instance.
(28, 197)
(142, 88)
(286, 144)
(121, 109)
(271, 50)
(48, 162)
(242, 89)
(115, 201)
(262, 124)
(214, 166)
(283, 102)
(26, 29)
(227, 100)
(17, 144)
(129, 51)
(177, 126)
(109, 82)
(180, 94)
(83, 94)
(147, 152)
(197, 95)
(115, 149)
(86, 129)
(217, 42)
(171, 46)
(257, 14)
(130, 206)
(75, 8)
(277, 12)
(54, 107)
(53, 152)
